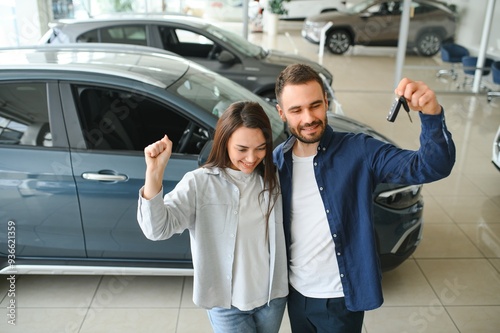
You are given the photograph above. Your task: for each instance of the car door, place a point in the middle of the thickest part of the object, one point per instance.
(37, 189)
(379, 24)
(111, 127)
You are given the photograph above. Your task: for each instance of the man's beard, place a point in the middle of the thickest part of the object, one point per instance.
(314, 138)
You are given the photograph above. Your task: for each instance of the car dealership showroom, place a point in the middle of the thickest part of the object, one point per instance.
(73, 257)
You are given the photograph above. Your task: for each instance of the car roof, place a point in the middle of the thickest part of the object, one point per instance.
(143, 64)
(133, 18)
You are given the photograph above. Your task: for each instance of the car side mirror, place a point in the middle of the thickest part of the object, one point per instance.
(205, 151)
(226, 57)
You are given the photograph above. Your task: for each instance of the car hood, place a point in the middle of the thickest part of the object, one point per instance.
(285, 59)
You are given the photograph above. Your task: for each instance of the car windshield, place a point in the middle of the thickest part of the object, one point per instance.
(358, 8)
(237, 41)
(215, 93)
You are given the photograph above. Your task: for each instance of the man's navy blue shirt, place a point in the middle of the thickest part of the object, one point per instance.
(347, 168)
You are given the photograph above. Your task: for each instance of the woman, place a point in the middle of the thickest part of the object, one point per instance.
(232, 209)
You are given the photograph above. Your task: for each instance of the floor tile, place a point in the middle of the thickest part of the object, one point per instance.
(454, 184)
(470, 209)
(406, 286)
(46, 291)
(485, 236)
(445, 241)
(408, 319)
(193, 321)
(433, 212)
(187, 293)
(130, 320)
(474, 319)
(45, 320)
(138, 292)
(463, 281)
(496, 264)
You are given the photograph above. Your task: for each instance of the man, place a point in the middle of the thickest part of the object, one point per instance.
(327, 181)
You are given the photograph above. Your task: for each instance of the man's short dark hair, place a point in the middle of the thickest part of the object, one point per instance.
(296, 74)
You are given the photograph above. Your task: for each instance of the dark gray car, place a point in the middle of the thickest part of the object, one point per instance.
(74, 121)
(219, 50)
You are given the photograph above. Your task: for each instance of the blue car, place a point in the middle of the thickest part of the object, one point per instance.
(74, 121)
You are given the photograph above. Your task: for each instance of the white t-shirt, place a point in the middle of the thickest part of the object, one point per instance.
(314, 269)
(251, 254)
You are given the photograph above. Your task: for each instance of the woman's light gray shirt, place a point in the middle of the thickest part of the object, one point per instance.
(206, 202)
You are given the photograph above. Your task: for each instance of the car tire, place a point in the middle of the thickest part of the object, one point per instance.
(428, 44)
(338, 41)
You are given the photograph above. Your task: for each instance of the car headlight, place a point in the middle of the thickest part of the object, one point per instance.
(314, 24)
(399, 198)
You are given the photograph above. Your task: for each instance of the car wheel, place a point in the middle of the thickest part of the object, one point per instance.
(338, 41)
(428, 44)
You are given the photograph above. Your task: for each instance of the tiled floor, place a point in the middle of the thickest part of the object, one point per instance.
(451, 284)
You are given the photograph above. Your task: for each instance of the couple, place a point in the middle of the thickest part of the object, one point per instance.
(317, 252)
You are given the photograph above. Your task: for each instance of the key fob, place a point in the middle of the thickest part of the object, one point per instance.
(396, 105)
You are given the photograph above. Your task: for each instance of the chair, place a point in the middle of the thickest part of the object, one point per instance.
(470, 65)
(452, 53)
(495, 73)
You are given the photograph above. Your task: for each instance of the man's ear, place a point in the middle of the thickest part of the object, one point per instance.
(281, 113)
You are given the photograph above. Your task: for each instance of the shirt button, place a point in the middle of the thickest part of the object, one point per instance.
(228, 277)
(338, 253)
(315, 164)
(324, 148)
(327, 211)
(235, 212)
(321, 188)
(341, 275)
(334, 235)
(232, 235)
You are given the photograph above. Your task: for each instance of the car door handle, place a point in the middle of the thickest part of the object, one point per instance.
(104, 177)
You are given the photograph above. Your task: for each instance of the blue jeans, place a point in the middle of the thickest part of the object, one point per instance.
(264, 319)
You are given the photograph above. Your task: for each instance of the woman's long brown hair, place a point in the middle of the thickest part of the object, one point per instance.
(250, 115)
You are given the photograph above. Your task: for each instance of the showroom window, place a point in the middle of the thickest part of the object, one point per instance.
(24, 115)
(120, 120)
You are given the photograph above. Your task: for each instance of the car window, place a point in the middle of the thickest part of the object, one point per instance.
(186, 43)
(135, 34)
(115, 119)
(24, 115)
(421, 8)
(215, 93)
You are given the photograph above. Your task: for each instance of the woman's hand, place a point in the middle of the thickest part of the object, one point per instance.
(157, 155)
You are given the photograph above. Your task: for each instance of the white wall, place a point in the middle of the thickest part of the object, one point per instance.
(472, 14)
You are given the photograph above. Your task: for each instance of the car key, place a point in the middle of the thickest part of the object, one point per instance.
(393, 113)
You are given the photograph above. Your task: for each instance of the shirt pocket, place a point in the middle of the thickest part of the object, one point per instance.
(213, 218)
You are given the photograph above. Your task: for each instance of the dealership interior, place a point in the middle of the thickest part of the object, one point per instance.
(450, 284)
